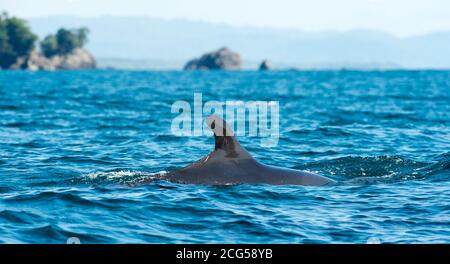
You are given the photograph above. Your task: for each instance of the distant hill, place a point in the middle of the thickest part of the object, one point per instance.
(156, 43)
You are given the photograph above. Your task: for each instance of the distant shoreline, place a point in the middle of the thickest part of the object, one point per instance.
(165, 65)
(161, 64)
(178, 41)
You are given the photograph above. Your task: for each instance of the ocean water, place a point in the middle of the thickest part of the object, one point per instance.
(75, 146)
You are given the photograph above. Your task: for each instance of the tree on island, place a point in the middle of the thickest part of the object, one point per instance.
(64, 41)
(16, 40)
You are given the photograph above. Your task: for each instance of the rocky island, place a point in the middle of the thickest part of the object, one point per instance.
(61, 51)
(222, 59)
(265, 65)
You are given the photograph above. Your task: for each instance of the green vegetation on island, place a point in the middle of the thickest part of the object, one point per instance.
(62, 50)
(16, 40)
(64, 41)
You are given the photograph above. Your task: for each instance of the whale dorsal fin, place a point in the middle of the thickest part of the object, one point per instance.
(225, 139)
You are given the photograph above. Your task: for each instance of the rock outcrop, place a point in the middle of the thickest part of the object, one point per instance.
(265, 65)
(222, 59)
(36, 61)
(77, 59)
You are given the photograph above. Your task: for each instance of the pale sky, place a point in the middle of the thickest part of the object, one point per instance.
(400, 17)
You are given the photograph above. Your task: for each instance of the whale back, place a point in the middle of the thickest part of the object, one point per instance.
(230, 163)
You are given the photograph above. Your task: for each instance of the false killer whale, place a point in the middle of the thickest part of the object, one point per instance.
(230, 163)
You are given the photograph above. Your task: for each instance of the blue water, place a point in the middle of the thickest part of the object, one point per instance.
(74, 147)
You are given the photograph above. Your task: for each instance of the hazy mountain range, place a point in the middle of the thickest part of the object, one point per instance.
(143, 42)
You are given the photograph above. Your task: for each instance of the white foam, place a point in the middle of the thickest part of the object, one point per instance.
(111, 175)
